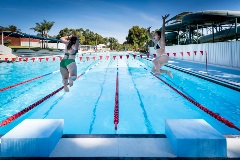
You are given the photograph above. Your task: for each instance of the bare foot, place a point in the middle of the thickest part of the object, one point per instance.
(66, 88)
(70, 81)
(153, 69)
(157, 73)
(170, 74)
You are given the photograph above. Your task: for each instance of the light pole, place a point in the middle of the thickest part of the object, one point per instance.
(1, 28)
(29, 39)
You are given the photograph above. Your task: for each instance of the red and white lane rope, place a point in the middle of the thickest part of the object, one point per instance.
(116, 107)
(15, 116)
(27, 81)
(216, 116)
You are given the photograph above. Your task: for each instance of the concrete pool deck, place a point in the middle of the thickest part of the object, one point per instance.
(97, 146)
(224, 72)
(229, 73)
(126, 147)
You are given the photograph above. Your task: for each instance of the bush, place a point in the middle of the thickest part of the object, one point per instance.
(7, 43)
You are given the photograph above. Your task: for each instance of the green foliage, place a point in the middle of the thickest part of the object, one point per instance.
(11, 28)
(43, 28)
(137, 37)
(113, 43)
(87, 37)
(127, 47)
(8, 42)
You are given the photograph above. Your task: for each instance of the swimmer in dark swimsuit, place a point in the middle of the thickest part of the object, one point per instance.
(162, 57)
(157, 47)
(68, 67)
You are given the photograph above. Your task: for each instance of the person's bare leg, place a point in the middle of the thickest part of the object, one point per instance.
(157, 71)
(157, 66)
(167, 72)
(64, 73)
(153, 68)
(159, 62)
(72, 68)
(163, 60)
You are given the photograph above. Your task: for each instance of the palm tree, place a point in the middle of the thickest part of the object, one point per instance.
(47, 27)
(40, 29)
(43, 28)
(96, 37)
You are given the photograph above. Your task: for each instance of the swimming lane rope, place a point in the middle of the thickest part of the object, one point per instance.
(15, 116)
(216, 116)
(116, 107)
(30, 80)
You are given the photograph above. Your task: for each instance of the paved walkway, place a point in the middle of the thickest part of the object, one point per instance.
(229, 73)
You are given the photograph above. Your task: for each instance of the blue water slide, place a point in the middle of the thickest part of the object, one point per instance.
(210, 17)
(226, 34)
(206, 19)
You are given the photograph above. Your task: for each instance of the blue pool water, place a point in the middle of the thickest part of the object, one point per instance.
(144, 101)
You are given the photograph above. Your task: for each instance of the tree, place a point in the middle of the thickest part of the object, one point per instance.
(137, 37)
(113, 42)
(127, 46)
(40, 29)
(63, 32)
(80, 35)
(105, 41)
(87, 37)
(43, 28)
(11, 28)
(47, 27)
(96, 37)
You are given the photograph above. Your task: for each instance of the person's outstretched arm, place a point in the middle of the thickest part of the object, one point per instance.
(163, 31)
(64, 39)
(149, 34)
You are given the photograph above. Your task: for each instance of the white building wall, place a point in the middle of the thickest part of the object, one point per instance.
(32, 44)
(39, 44)
(54, 45)
(235, 54)
(221, 53)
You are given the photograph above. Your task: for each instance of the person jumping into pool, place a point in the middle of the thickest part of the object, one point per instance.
(68, 67)
(162, 57)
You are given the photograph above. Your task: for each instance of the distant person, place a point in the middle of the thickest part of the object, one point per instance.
(68, 67)
(162, 57)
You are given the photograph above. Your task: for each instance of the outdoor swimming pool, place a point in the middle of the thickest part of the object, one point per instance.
(144, 100)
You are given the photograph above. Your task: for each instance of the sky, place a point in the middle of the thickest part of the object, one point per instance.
(109, 18)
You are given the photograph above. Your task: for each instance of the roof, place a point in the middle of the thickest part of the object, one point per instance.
(19, 34)
(178, 17)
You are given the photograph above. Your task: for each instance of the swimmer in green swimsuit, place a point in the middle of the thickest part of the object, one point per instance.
(68, 67)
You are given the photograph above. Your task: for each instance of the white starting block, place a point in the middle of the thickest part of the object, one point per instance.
(32, 138)
(195, 138)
